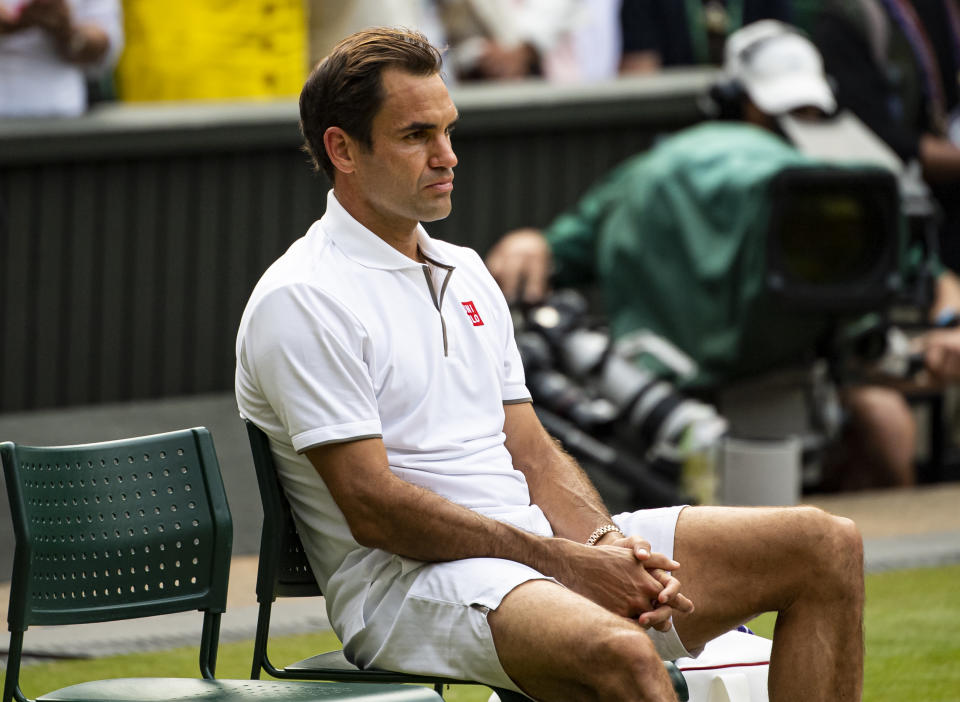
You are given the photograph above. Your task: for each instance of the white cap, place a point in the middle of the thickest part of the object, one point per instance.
(780, 69)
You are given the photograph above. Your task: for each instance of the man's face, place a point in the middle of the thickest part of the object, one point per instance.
(407, 176)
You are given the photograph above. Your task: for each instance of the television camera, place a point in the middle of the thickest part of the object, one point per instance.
(837, 243)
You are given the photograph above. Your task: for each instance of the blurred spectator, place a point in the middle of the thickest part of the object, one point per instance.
(332, 20)
(672, 237)
(659, 33)
(560, 40)
(895, 63)
(213, 49)
(48, 51)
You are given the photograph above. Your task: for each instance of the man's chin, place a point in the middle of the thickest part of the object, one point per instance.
(438, 211)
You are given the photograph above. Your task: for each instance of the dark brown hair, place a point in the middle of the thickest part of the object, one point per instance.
(345, 89)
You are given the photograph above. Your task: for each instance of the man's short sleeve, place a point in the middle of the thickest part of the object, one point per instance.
(307, 356)
(514, 380)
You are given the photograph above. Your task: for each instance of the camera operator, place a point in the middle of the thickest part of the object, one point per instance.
(670, 236)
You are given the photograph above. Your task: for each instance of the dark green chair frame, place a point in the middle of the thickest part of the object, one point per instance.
(133, 528)
(284, 571)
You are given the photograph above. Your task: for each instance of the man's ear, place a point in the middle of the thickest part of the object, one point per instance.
(340, 149)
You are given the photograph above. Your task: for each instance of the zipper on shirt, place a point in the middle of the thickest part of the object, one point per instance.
(438, 300)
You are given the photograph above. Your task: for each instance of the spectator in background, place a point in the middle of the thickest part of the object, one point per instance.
(559, 40)
(48, 51)
(331, 20)
(659, 33)
(895, 65)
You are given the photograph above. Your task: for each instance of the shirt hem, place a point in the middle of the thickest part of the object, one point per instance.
(344, 432)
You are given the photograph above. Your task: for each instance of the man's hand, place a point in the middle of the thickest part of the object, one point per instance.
(500, 62)
(521, 262)
(629, 580)
(53, 16)
(941, 349)
(669, 600)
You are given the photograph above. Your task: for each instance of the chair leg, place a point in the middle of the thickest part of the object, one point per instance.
(209, 637)
(11, 684)
(260, 640)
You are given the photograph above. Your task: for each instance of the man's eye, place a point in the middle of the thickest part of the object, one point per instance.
(416, 136)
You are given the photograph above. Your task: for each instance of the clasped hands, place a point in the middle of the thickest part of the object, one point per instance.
(50, 15)
(622, 574)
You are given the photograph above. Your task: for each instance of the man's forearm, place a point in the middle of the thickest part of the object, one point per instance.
(416, 523)
(383, 511)
(410, 521)
(386, 512)
(558, 485)
(947, 296)
(567, 497)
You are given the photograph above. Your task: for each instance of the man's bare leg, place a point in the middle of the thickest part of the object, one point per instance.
(800, 562)
(558, 645)
(883, 436)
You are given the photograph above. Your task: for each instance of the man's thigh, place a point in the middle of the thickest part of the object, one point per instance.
(738, 562)
(556, 644)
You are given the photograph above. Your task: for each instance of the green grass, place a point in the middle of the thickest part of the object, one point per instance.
(912, 626)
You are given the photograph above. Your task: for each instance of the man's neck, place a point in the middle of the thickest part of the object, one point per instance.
(401, 235)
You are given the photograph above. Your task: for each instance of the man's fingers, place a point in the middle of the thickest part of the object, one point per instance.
(656, 560)
(521, 262)
(683, 604)
(671, 588)
(509, 277)
(535, 280)
(658, 619)
(671, 595)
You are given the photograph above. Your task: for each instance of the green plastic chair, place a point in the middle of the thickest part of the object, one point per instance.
(134, 528)
(284, 571)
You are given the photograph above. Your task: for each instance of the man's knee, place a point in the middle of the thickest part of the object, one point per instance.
(631, 663)
(836, 549)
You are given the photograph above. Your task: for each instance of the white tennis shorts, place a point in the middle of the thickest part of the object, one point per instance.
(431, 618)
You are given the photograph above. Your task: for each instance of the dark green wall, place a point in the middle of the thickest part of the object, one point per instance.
(130, 238)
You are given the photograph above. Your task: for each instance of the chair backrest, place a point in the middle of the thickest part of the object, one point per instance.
(118, 529)
(283, 570)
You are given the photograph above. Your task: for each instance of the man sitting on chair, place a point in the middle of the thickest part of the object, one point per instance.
(449, 532)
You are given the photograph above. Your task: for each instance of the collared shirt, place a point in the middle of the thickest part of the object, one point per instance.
(344, 337)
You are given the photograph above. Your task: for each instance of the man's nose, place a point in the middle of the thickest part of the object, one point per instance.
(443, 155)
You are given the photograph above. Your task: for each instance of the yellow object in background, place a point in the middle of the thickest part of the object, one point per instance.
(210, 49)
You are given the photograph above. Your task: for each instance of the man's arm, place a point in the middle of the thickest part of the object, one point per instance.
(572, 504)
(558, 486)
(940, 159)
(386, 512)
(941, 347)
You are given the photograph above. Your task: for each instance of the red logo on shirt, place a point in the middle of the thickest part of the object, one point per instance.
(473, 314)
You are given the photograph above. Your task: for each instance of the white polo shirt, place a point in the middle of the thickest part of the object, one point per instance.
(344, 338)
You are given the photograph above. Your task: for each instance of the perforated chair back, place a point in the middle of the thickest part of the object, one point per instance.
(134, 528)
(116, 530)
